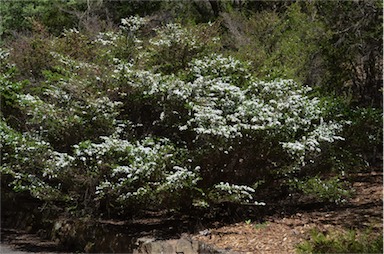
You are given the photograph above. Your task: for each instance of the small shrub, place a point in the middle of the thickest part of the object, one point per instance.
(174, 41)
(365, 133)
(349, 242)
(76, 45)
(31, 55)
(329, 190)
(261, 225)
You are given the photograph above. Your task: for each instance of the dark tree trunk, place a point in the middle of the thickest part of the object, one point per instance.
(215, 7)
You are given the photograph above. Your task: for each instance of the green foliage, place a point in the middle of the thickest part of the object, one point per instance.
(280, 45)
(365, 132)
(330, 190)
(348, 242)
(362, 131)
(261, 225)
(8, 88)
(141, 113)
(182, 43)
(293, 45)
(21, 15)
(354, 51)
(144, 174)
(26, 160)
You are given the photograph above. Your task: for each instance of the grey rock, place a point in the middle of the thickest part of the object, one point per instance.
(177, 246)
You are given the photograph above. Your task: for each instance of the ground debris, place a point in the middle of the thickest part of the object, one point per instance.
(281, 234)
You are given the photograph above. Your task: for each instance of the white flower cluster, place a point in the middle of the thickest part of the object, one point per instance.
(140, 79)
(57, 164)
(216, 65)
(58, 95)
(63, 106)
(10, 138)
(36, 108)
(174, 34)
(27, 159)
(87, 151)
(4, 54)
(324, 132)
(133, 23)
(234, 192)
(107, 38)
(72, 64)
(140, 168)
(180, 178)
(5, 65)
(70, 31)
(104, 108)
(222, 109)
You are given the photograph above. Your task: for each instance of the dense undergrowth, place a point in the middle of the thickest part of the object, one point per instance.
(110, 120)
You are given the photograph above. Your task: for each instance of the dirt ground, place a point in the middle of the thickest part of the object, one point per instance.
(279, 231)
(21, 242)
(280, 234)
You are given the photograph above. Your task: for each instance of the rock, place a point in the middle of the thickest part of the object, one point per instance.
(205, 232)
(187, 246)
(152, 246)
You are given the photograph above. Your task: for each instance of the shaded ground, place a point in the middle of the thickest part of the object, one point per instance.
(276, 229)
(8, 249)
(281, 232)
(20, 242)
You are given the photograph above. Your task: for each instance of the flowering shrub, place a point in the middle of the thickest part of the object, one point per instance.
(232, 192)
(146, 172)
(4, 63)
(143, 173)
(78, 118)
(133, 24)
(141, 130)
(217, 66)
(217, 115)
(25, 162)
